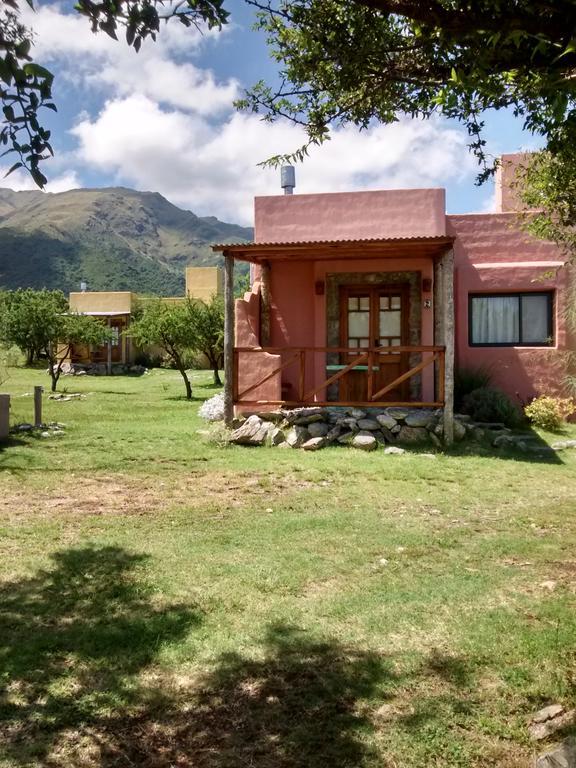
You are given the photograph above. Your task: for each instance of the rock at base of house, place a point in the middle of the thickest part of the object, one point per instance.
(276, 436)
(394, 450)
(297, 436)
(276, 417)
(397, 413)
(346, 438)
(303, 416)
(370, 425)
(413, 435)
(333, 434)
(459, 430)
(314, 444)
(365, 442)
(349, 423)
(254, 431)
(561, 756)
(419, 419)
(318, 429)
(386, 421)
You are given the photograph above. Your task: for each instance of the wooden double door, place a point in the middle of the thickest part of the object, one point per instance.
(374, 316)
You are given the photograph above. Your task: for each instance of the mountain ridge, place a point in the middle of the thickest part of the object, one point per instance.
(114, 238)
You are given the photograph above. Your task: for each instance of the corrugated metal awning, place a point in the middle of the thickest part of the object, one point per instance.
(363, 247)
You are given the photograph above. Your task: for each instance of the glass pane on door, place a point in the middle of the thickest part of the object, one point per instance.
(358, 321)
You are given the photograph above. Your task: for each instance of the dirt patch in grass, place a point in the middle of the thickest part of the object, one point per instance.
(122, 494)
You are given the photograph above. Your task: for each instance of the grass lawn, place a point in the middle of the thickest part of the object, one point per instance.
(169, 602)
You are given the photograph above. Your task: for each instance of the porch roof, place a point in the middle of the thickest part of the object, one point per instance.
(317, 250)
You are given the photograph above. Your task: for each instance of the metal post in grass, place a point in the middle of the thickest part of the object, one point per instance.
(38, 406)
(228, 338)
(4, 416)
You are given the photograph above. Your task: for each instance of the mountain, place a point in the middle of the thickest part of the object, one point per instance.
(114, 239)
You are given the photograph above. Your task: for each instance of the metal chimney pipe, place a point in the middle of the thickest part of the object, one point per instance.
(287, 179)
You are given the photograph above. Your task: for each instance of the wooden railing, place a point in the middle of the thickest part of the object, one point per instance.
(366, 359)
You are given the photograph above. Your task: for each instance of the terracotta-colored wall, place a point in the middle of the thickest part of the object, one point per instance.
(506, 195)
(350, 215)
(492, 255)
(254, 366)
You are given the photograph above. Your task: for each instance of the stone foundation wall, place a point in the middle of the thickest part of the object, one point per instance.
(315, 428)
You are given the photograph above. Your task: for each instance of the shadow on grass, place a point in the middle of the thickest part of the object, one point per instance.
(5, 446)
(73, 638)
(114, 392)
(526, 446)
(295, 706)
(184, 399)
(78, 643)
(80, 686)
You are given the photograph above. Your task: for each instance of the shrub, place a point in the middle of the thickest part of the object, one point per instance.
(489, 404)
(468, 379)
(549, 412)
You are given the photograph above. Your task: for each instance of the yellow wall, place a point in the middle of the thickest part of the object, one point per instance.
(102, 301)
(204, 282)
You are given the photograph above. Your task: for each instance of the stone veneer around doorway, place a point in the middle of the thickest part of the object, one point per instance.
(412, 279)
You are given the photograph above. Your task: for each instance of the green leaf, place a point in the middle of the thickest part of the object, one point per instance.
(13, 168)
(35, 70)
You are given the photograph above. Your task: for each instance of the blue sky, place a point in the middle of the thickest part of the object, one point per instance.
(163, 120)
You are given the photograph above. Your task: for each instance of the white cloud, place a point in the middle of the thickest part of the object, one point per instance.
(216, 172)
(158, 71)
(21, 180)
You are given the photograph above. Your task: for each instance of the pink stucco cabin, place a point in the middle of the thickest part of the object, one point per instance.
(374, 298)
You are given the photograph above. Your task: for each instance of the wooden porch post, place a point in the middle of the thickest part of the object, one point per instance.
(265, 304)
(109, 353)
(228, 338)
(448, 333)
(438, 309)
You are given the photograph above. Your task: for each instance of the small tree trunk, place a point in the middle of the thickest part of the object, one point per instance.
(215, 370)
(54, 375)
(184, 375)
(187, 384)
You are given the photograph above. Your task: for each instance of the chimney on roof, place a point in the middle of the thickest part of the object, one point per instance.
(83, 286)
(508, 178)
(287, 179)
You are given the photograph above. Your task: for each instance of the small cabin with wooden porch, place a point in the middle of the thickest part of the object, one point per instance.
(368, 298)
(351, 303)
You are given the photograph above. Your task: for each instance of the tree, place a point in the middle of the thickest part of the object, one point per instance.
(347, 61)
(39, 323)
(352, 61)
(207, 322)
(546, 184)
(167, 326)
(26, 319)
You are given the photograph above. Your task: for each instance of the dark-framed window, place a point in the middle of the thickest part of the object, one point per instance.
(511, 319)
